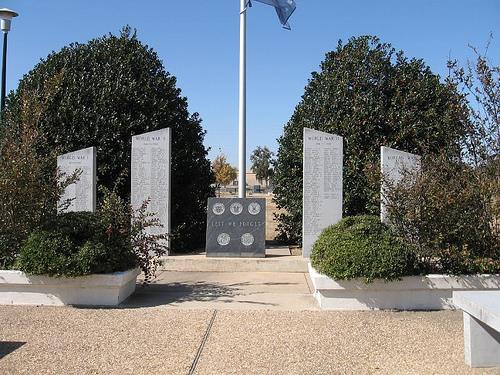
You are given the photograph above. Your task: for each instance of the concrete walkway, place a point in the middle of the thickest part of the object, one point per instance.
(227, 291)
(278, 282)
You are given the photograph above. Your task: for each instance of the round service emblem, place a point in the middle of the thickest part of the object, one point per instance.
(254, 208)
(236, 208)
(247, 239)
(223, 239)
(218, 208)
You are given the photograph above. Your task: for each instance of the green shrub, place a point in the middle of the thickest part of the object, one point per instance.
(75, 244)
(361, 247)
(115, 238)
(79, 226)
(48, 253)
(94, 257)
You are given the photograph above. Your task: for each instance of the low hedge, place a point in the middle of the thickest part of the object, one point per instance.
(76, 244)
(361, 247)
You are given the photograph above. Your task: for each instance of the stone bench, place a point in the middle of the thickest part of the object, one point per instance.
(481, 327)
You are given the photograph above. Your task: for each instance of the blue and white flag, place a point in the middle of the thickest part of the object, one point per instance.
(284, 9)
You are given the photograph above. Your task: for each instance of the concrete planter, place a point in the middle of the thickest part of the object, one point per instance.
(431, 292)
(17, 288)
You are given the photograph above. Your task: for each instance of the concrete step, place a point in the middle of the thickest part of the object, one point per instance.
(276, 260)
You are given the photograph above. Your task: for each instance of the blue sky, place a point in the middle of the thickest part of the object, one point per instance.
(198, 43)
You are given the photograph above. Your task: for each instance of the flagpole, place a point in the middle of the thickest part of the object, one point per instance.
(242, 102)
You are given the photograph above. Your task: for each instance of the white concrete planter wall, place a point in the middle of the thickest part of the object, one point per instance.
(431, 292)
(17, 288)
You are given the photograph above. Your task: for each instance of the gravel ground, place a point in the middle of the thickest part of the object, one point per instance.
(165, 341)
(64, 340)
(336, 343)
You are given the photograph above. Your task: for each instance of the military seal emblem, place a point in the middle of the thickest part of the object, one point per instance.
(223, 239)
(218, 208)
(254, 208)
(236, 208)
(247, 239)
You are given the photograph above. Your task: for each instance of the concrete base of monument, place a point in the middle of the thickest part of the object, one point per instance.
(259, 254)
(431, 292)
(276, 260)
(17, 288)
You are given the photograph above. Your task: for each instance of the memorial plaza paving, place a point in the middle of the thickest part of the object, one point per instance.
(228, 323)
(65, 340)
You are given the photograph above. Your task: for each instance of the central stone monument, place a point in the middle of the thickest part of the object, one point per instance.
(236, 227)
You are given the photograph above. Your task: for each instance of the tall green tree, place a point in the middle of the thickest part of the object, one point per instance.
(262, 161)
(112, 88)
(373, 96)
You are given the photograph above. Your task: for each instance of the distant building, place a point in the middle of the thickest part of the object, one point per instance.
(252, 184)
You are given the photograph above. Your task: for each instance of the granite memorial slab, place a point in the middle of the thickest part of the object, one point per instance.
(81, 195)
(322, 185)
(236, 227)
(150, 175)
(393, 163)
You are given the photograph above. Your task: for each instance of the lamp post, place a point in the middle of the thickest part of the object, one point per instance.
(6, 16)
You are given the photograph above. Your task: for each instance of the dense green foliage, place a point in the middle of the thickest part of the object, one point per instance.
(372, 96)
(110, 89)
(448, 214)
(115, 238)
(76, 244)
(361, 247)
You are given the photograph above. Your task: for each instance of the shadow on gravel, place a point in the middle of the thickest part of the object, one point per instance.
(166, 294)
(7, 347)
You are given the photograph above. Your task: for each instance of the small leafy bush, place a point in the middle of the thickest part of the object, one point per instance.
(447, 213)
(115, 238)
(148, 240)
(48, 253)
(361, 247)
(75, 244)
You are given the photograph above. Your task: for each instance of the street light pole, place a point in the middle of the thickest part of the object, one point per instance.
(6, 16)
(4, 71)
